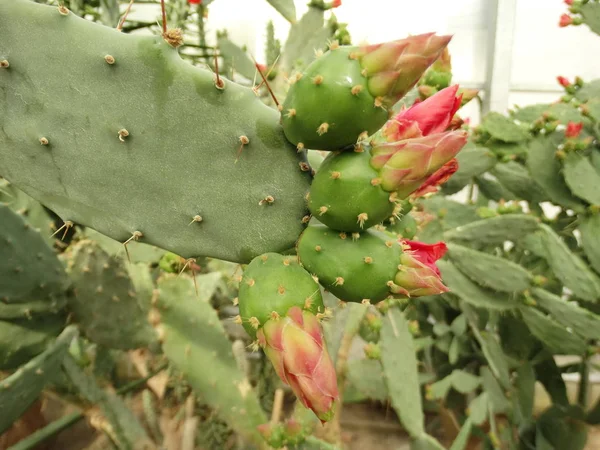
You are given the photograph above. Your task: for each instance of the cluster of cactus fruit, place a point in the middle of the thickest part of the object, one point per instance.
(124, 155)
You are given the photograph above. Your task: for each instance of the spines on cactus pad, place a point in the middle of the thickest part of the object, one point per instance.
(118, 133)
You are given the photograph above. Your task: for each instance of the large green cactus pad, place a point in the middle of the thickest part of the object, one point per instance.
(139, 140)
(32, 279)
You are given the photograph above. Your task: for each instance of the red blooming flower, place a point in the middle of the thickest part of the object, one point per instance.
(573, 129)
(418, 275)
(195, 2)
(563, 81)
(565, 20)
(430, 116)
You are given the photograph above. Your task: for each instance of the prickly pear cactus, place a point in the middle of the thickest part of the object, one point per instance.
(354, 267)
(32, 279)
(105, 302)
(119, 134)
(274, 283)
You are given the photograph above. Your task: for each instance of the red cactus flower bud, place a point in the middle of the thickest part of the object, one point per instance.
(295, 346)
(573, 129)
(336, 3)
(569, 2)
(565, 20)
(418, 274)
(195, 2)
(438, 178)
(563, 81)
(429, 116)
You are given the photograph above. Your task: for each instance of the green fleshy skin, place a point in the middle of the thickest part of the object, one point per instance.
(343, 186)
(340, 263)
(274, 282)
(331, 102)
(74, 85)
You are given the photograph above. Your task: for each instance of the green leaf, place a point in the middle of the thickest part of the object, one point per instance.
(488, 270)
(400, 370)
(549, 374)
(306, 36)
(569, 314)
(459, 325)
(439, 389)
(504, 129)
(589, 91)
(582, 178)
(366, 376)
(590, 12)
(286, 8)
(194, 340)
(478, 408)
(454, 351)
(464, 382)
(495, 230)
(555, 337)
(545, 170)
(472, 161)
(491, 189)
(463, 436)
(529, 113)
(497, 398)
(237, 58)
(495, 358)
(19, 390)
(452, 214)
(425, 442)
(516, 179)
(127, 432)
(568, 267)
(589, 228)
(525, 391)
(462, 286)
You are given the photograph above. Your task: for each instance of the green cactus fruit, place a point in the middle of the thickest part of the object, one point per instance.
(31, 276)
(106, 304)
(118, 133)
(349, 90)
(275, 283)
(346, 195)
(329, 106)
(353, 267)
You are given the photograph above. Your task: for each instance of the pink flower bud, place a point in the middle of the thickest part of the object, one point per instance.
(418, 275)
(565, 20)
(406, 165)
(295, 346)
(563, 81)
(573, 129)
(569, 2)
(336, 3)
(432, 115)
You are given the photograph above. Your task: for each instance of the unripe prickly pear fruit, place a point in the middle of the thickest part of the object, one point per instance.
(349, 90)
(273, 283)
(346, 193)
(370, 266)
(280, 304)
